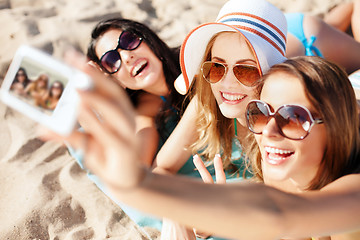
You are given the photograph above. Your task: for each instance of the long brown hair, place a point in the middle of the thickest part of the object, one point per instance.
(329, 91)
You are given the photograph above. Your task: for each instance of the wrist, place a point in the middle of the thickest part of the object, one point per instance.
(143, 178)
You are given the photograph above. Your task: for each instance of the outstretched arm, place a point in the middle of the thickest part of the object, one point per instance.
(111, 153)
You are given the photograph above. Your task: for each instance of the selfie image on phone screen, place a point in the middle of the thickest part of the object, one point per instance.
(38, 86)
(44, 89)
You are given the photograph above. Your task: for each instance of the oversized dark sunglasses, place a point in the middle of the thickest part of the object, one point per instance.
(214, 72)
(293, 121)
(111, 60)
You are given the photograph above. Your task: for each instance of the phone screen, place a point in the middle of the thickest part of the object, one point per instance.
(37, 85)
(44, 89)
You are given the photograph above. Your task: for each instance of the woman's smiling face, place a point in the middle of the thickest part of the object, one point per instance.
(140, 68)
(231, 96)
(284, 159)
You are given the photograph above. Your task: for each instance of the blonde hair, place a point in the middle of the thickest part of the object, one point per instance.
(215, 131)
(41, 77)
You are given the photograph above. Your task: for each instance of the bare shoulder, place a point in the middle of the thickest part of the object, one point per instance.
(349, 183)
(347, 236)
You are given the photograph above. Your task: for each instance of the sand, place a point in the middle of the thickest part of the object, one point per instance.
(44, 193)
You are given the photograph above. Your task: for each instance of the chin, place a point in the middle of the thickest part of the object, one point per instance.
(149, 81)
(274, 177)
(274, 173)
(228, 113)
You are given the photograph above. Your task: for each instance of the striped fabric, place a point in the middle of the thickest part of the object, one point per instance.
(259, 26)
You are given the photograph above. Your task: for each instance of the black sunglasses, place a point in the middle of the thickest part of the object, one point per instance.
(293, 121)
(110, 61)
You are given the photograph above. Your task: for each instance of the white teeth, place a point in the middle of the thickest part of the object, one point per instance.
(232, 97)
(277, 151)
(138, 67)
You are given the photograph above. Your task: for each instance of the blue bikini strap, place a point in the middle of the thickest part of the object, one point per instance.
(171, 107)
(163, 98)
(310, 49)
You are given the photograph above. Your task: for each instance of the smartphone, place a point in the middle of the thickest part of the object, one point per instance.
(44, 89)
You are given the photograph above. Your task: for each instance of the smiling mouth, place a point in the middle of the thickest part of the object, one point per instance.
(232, 97)
(276, 155)
(139, 68)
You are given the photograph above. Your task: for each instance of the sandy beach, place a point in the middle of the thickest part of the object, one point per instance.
(44, 193)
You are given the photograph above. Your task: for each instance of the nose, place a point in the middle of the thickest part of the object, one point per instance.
(126, 56)
(229, 78)
(271, 129)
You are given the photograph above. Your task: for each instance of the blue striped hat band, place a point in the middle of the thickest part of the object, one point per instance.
(259, 26)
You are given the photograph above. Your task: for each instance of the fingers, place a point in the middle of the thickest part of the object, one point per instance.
(80, 141)
(219, 170)
(102, 84)
(112, 115)
(173, 230)
(204, 173)
(74, 139)
(94, 65)
(201, 235)
(74, 58)
(105, 131)
(107, 100)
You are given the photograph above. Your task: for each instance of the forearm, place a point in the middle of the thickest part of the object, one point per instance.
(146, 131)
(332, 210)
(205, 206)
(176, 150)
(148, 139)
(245, 206)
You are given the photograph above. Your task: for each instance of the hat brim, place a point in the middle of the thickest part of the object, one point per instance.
(194, 46)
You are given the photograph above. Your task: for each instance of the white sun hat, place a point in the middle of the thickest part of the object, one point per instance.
(262, 24)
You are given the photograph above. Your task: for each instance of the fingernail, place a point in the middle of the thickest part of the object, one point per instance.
(218, 155)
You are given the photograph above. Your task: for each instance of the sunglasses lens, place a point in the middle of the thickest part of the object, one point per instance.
(247, 75)
(294, 121)
(213, 72)
(257, 116)
(111, 61)
(129, 40)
